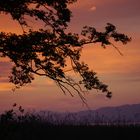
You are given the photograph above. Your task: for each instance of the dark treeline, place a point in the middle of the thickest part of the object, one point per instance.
(18, 125)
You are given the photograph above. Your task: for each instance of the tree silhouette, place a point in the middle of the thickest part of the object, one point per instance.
(47, 50)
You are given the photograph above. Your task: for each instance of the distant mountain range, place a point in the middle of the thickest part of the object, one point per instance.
(119, 114)
(125, 114)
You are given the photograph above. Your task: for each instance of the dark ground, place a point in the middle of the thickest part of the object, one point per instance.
(43, 131)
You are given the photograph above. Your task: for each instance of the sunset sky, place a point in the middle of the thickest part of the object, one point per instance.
(121, 73)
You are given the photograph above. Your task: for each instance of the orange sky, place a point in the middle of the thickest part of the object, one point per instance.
(121, 73)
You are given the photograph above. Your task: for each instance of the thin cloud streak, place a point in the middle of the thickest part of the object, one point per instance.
(93, 8)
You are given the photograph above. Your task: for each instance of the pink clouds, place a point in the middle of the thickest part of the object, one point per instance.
(93, 8)
(5, 68)
(108, 11)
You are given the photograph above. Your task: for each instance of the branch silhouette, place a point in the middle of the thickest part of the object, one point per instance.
(46, 51)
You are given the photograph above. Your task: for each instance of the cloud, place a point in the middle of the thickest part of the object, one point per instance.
(5, 86)
(5, 68)
(4, 79)
(93, 8)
